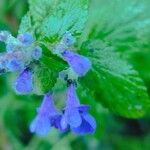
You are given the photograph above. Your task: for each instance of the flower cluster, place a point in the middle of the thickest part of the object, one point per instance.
(74, 116)
(21, 52)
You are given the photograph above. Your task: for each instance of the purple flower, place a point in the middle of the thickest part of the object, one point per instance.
(47, 117)
(76, 115)
(14, 65)
(87, 126)
(40, 125)
(80, 64)
(25, 38)
(23, 84)
(36, 53)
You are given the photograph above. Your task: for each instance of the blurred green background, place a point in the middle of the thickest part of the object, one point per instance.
(16, 112)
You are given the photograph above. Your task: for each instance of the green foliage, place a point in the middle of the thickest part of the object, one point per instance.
(26, 25)
(43, 79)
(46, 72)
(51, 21)
(113, 82)
(119, 87)
(116, 38)
(55, 17)
(127, 29)
(128, 24)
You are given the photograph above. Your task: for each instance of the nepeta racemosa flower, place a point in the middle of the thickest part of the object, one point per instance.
(47, 117)
(23, 83)
(80, 64)
(76, 115)
(22, 53)
(14, 65)
(25, 38)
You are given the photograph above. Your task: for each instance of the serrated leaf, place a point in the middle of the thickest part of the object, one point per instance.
(55, 17)
(126, 26)
(114, 83)
(26, 25)
(47, 71)
(128, 23)
(43, 79)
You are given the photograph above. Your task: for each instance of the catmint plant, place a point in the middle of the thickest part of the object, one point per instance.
(75, 115)
(24, 83)
(22, 54)
(47, 116)
(84, 59)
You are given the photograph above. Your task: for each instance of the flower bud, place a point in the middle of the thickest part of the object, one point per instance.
(14, 65)
(25, 38)
(36, 53)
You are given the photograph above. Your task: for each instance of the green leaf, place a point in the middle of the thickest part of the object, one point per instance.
(52, 61)
(124, 25)
(141, 61)
(43, 79)
(26, 25)
(128, 24)
(55, 17)
(113, 82)
(47, 71)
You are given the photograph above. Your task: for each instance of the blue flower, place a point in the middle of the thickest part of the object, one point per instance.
(40, 125)
(76, 115)
(25, 38)
(47, 117)
(23, 84)
(80, 64)
(36, 53)
(14, 65)
(87, 126)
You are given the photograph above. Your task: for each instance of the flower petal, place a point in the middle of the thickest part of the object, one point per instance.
(23, 84)
(56, 122)
(72, 99)
(40, 125)
(88, 125)
(73, 117)
(90, 119)
(80, 64)
(47, 106)
(14, 65)
(64, 122)
(83, 108)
